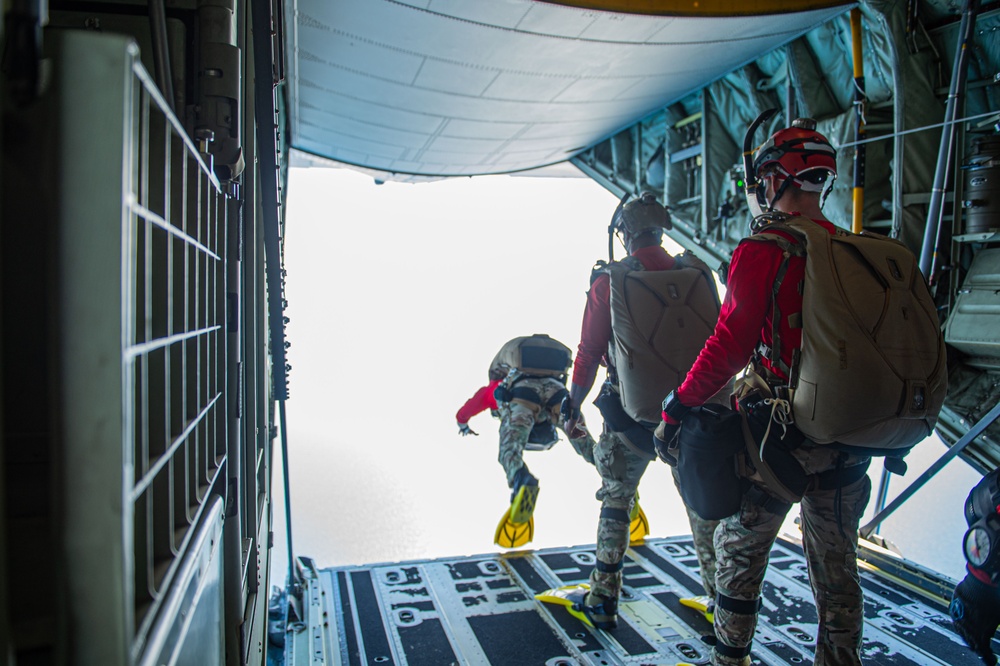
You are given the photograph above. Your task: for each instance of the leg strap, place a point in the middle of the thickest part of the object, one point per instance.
(556, 399)
(732, 652)
(841, 476)
(740, 606)
(526, 394)
(611, 513)
(771, 504)
(604, 567)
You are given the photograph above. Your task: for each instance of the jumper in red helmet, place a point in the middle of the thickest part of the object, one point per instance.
(797, 155)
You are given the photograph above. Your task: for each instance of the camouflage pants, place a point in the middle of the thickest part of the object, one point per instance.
(621, 470)
(703, 535)
(830, 520)
(519, 416)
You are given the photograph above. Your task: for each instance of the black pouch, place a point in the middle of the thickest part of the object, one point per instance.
(502, 394)
(775, 453)
(543, 436)
(710, 437)
(610, 406)
(638, 437)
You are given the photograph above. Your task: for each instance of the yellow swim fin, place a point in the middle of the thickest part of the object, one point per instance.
(638, 529)
(517, 526)
(570, 596)
(513, 535)
(567, 595)
(704, 605)
(524, 503)
(574, 598)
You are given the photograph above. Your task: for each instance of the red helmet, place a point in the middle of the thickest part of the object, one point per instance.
(800, 153)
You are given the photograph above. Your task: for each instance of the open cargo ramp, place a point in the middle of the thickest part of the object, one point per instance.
(481, 610)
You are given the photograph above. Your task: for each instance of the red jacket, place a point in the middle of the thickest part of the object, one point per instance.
(746, 317)
(481, 401)
(596, 331)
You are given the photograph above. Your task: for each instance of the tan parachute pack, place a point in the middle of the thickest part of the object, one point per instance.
(872, 372)
(536, 354)
(659, 321)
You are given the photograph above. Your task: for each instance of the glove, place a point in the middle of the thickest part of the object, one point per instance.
(572, 418)
(663, 440)
(975, 612)
(464, 429)
(568, 410)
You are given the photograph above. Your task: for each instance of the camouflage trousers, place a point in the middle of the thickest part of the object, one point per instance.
(830, 520)
(519, 416)
(621, 469)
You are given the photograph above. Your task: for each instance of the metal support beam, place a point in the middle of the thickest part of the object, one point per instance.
(938, 465)
(946, 149)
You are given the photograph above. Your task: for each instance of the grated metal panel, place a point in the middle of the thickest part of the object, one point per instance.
(174, 353)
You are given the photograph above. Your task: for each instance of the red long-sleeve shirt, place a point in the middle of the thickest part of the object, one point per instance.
(596, 330)
(481, 401)
(746, 318)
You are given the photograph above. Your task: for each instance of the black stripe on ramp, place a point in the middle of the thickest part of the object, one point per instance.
(370, 618)
(426, 644)
(522, 638)
(350, 638)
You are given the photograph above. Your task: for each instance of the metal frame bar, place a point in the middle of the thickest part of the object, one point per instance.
(938, 465)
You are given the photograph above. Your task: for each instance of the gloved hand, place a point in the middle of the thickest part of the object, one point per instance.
(975, 612)
(464, 429)
(572, 418)
(663, 440)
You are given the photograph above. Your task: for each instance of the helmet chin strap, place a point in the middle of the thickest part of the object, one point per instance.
(781, 190)
(611, 226)
(753, 188)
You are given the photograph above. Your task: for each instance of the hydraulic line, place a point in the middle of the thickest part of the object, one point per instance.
(912, 130)
(161, 52)
(293, 579)
(859, 124)
(264, 90)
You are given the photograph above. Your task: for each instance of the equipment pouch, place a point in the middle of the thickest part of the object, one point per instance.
(774, 467)
(610, 406)
(710, 438)
(502, 394)
(636, 436)
(543, 436)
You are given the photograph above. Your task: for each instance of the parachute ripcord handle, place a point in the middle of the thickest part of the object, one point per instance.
(755, 198)
(611, 227)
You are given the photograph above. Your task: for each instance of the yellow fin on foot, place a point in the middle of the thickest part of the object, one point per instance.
(523, 505)
(701, 604)
(567, 595)
(570, 596)
(639, 528)
(513, 535)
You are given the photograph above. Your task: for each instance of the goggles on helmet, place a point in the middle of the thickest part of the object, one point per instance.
(799, 155)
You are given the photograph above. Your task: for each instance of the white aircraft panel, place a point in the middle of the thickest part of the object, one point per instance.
(465, 87)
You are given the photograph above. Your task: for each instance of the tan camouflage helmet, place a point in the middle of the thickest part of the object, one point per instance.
(642, 214)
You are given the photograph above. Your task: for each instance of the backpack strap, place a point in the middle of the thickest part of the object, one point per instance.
(688, 259)
(600, 268)
(604, 267)
(788, 250)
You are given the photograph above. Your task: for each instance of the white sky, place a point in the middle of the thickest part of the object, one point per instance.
(399, 296)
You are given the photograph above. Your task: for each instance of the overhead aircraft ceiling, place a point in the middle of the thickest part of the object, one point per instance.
(432, 88)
